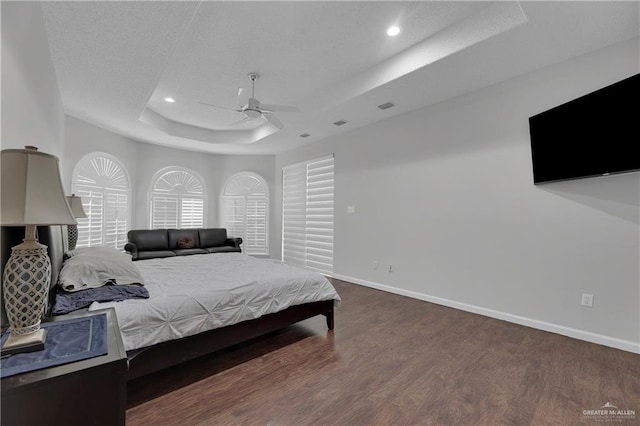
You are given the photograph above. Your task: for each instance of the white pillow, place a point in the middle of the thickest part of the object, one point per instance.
(92, 267)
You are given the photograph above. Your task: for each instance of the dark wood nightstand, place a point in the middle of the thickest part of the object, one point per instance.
(88, 392)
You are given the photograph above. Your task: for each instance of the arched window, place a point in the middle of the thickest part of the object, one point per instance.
(177, 199)
(245, 207)
(103, 184)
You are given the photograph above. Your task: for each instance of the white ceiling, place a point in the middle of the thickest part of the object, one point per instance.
(117, 61)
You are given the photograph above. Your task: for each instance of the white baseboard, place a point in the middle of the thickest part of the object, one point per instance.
(625, 345)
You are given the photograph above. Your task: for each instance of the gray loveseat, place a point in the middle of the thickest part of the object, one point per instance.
(152, 243)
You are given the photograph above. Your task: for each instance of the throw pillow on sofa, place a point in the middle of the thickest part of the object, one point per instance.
(186, 243)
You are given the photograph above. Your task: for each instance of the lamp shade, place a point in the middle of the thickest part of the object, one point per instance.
(75, 203)
(31, 189)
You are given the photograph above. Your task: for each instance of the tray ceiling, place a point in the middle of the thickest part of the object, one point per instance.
(116, 62)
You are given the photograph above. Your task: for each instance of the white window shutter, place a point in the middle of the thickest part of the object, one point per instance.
(245, 211)
(307, 214)
(192, 213)
(116, 219)
(294, 183)
(234, 208)
(165, 212)
(101, 182)
(177, 200)
(90, 228)
(256, 224)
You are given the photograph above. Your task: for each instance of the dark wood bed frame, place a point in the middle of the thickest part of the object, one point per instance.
(167, 354)
(174, 352)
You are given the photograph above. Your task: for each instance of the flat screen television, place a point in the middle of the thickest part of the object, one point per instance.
(594, 135)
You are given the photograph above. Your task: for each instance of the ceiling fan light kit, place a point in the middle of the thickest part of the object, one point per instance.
(254, 109)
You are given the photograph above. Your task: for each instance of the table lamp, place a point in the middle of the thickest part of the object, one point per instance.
(31, 195)
(75, 203)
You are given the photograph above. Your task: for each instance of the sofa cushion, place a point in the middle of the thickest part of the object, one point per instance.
(153, 254)
(223, 249)
(212, 237)
(149, 240)
(186, 252)
(176, 235)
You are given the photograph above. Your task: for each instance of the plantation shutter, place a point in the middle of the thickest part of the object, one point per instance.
(192, 213)
(116, 219)
(256, 225)
(245, 206)
(294, 195)
(234, 216)
(307, 214)
(165, 212)
(90, 228)
(177, 200)
(103, 186)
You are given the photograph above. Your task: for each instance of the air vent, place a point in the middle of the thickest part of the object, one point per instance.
(340, 123)
(304, 135)
(386, 105)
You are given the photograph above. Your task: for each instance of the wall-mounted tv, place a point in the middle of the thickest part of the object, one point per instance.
(594, 135)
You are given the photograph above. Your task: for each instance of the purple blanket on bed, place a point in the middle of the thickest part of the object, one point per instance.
(68, 302)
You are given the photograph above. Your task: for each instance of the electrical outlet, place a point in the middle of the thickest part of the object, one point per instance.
(351, 209)
(375, 264)
(587, 300)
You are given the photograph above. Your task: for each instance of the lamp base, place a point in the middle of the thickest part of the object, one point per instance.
(20, 343)
(72, 232)
(25, 286)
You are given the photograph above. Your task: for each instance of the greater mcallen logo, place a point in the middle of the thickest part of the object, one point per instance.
(609, 413)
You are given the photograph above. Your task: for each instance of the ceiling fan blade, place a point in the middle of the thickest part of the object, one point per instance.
(220, 107)
(237, 123)
(273, 120)
(279, 108)
(240, 100)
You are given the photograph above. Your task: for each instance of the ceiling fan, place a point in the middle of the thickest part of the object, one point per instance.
(255, 109)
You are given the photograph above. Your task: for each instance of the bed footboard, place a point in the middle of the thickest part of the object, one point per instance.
(174, 352)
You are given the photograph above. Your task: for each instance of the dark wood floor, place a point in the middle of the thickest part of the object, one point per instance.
(393, 360)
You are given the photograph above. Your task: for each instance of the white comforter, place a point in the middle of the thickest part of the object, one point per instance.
(192, 294)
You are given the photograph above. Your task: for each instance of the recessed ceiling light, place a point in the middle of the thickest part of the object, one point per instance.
(393, 31)
(340, 123)
(170, 100)
(304, 135)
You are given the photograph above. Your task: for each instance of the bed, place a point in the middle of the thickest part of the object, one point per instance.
(188, 315)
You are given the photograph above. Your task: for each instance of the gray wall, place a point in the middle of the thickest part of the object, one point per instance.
(446, 196)
(214, 169)
(83, 138)
(31, 105)
(143, 160)
(32, 112)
